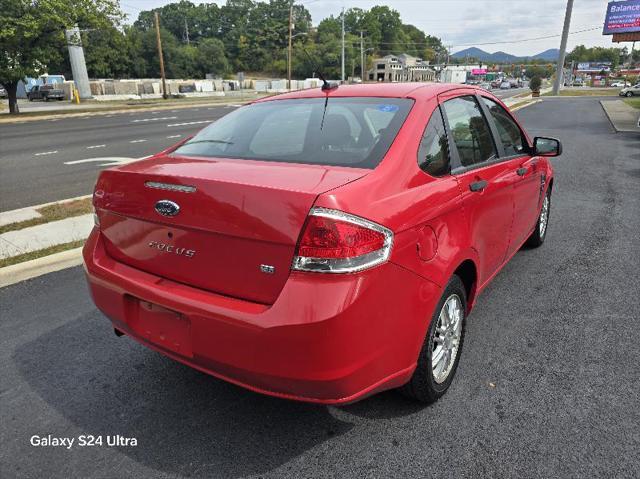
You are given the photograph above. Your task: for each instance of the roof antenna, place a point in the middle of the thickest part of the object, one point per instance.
(326, 86)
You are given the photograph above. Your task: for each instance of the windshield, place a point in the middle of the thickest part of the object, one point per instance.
(355, 132)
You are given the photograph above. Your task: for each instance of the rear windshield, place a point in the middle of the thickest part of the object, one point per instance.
(355, 132)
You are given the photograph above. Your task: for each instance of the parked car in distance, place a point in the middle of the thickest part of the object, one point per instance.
(322, 245)
(505, 85)
(578, 82)
(3, 92)
(485, 86)
(631, 91)
(620, 84)
(45, 92)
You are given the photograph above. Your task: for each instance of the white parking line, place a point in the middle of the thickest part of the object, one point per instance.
(46, 153)
(174, 136)
(95, 146)
(189, 123)
(137, 141)
(154, 119)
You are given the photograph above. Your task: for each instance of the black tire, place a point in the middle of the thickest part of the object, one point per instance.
(628, 94)
(422, 386)
(539, 234)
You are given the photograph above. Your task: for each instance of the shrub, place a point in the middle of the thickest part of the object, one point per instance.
(535, 83)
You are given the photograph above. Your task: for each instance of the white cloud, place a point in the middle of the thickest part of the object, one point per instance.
(472, 22)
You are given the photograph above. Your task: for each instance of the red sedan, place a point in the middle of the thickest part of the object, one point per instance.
(322, 245)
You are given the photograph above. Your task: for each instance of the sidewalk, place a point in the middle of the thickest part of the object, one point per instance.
(623, 117)
(34, 238)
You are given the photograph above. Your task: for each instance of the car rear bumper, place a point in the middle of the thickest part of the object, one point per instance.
(327, 338)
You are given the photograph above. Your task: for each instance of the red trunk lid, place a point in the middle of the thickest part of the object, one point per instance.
(237, 216)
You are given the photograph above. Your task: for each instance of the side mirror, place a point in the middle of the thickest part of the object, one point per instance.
(546, 146)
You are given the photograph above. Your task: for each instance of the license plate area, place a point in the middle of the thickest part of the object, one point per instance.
(161, 326)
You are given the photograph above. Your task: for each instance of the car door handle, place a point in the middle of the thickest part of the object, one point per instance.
(521, 171)
(478, 185)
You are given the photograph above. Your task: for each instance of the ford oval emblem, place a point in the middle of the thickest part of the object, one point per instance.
(167, 208)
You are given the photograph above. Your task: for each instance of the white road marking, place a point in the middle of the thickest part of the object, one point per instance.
(95, 146)
(107, 161)
(55, 119)
(154, 119)
(88, 160)
(46, 153)
(108, 116)
(189, 123)
(174, 136)
(137, 141)
(173, 111)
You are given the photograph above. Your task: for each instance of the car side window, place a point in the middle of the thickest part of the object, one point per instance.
(433, 154)
(510, 134)
(470, 131)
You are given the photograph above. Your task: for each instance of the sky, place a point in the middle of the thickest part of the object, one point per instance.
(515, 24)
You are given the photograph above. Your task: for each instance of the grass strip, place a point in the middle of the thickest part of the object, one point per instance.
(143, 104)
(55, 212)
(587, 92)
(634, 102)
(21, 258)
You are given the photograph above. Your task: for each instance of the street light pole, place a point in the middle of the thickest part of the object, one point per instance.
(164, 82)
(361, 57)
(563, 47)
(289, 49)
(342, 76)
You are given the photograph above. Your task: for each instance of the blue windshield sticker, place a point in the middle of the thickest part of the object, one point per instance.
(388, 108)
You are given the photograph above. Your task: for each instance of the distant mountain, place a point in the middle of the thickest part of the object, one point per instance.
(503, 57)
(549, 55)
(472, 52)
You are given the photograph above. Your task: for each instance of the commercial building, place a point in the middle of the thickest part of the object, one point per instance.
(401, 68)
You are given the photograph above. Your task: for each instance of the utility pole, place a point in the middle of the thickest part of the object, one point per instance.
(78, 65)
(186, 31)
(164, 82)
(289, 49)
(361, 57)
(563, 47)
(342, 77)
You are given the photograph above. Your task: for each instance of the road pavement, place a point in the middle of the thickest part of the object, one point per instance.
(51, 160)
(547, 384)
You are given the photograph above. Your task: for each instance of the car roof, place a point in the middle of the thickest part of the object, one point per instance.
(415, 90)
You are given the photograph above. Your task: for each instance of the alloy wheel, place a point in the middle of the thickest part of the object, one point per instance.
(544, 216)
(446, 338)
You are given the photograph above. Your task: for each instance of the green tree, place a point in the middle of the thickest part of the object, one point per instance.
(211, 57)
(32, 34)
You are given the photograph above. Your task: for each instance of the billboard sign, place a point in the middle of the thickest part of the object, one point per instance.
(622, 17)
(479, 71)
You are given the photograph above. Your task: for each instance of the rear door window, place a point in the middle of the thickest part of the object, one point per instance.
(354, 132)
(470, 131)
(433, 154)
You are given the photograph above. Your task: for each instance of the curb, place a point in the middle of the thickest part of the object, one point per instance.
(37, 267)
(107, 111)
(613, 123)
(606, 113)
(532, 102)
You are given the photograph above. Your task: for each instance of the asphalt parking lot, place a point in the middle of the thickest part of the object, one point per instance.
(547, 384)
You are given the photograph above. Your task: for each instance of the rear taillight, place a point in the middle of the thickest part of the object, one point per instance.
(336, 242)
